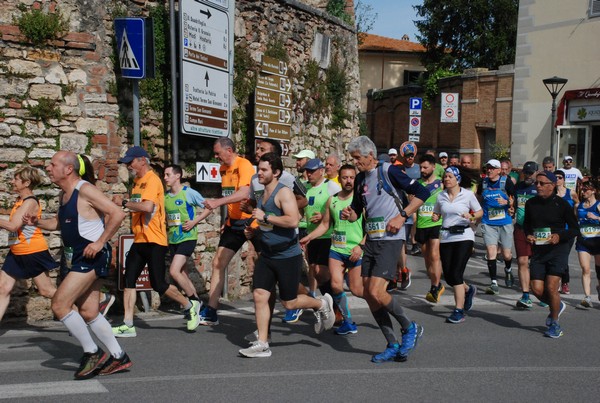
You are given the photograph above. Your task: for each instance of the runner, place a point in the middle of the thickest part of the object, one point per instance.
(87, 221)
(280, 260)
(332, 167)
(148, 219)
(347, 241)
(546, 219)
(236, 173)
(182, 221)
(28, 256)
(570, 196)
(459, 209)
(588, 214)
(428, 231)
(385, 219)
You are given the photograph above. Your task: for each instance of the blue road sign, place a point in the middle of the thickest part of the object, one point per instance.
(131, 45)
(416, 103)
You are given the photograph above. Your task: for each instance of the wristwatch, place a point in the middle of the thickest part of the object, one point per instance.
(403, 214)
(266, 219)
(124, 203)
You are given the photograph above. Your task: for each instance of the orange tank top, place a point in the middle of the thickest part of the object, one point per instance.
(28, 239)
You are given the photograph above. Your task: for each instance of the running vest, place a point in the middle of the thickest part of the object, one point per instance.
(523, 194)
(28, 239)
(276, 242)
(77, 232)
(317, 198)
(425, 212)
(346, 235)
(178, 212)
(588, 227)
(494, 213)
(567, 197)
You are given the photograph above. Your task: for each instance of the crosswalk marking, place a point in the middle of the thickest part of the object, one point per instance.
(50, 389)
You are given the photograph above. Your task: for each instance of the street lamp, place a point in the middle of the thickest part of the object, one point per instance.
(554, 85)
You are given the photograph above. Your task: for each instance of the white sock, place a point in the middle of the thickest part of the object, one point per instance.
(76, 325)
(103, 332)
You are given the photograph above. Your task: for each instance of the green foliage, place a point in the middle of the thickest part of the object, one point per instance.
(337, 94)
(112, 88)
(461, 34)
(365, 19)
(244, 82)
(45, 110)
(277, 50)
(89, 134)
(337, 8)
(67, 89)
(431, 85)
(499, 151)
(40, 27)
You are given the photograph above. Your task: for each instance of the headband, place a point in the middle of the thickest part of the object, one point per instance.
(81, 165)
(454, 171)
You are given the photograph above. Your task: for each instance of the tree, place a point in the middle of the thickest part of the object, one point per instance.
(461, 34)
(365, 19)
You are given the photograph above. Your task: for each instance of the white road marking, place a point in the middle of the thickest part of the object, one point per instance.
(43, 389)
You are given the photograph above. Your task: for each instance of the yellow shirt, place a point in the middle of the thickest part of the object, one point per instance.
(149, 227)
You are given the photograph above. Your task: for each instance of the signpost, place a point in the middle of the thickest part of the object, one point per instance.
(208, 172)
(206, 67)
(273, 99)
(449, 110)
(414, 114)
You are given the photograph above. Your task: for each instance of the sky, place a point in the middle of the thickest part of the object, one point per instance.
(394, 18)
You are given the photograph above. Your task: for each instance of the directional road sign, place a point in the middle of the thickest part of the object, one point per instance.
(131, 42)
(273, 99)
(206, 67)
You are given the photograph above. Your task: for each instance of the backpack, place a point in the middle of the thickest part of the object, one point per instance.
(383, 182)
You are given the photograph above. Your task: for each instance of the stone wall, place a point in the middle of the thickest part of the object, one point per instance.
(77, 71)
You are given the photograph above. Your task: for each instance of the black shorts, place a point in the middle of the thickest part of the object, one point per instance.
(28, 266)
(285, 272)
(151, 254)
(422, 235)
(185, 248)
(380, 258)
(232, 238)
(317, 251)
(549, 260)
(99, 263)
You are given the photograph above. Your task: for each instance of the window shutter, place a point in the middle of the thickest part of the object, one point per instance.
(594, 8)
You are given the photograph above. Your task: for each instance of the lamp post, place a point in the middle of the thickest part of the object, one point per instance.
(554, 85)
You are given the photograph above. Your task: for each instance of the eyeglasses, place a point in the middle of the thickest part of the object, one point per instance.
(540, 183)
(488, 168)
(443, 157)
(559, 177)
(310, 171)
(569, 161)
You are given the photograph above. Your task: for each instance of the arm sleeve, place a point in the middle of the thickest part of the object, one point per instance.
(510, 187)
(357, 202)
(194, 197)
(411, 186)
(527, 219)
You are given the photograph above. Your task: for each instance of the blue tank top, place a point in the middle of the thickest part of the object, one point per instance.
(493, 212)
(567, 197)
(589, 227)
(276, 242)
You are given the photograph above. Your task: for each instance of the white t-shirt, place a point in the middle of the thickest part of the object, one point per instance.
(571, 176)
(451, 212)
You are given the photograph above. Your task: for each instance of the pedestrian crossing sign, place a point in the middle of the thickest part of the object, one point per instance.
(135, 56)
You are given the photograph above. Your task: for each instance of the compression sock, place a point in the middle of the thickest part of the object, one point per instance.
(342, 302)
(491, 264)
(507, 264)
(76, 325)
(382, 317)
(395, 309)
(103, 332)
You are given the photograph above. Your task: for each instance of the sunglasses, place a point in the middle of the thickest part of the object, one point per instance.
(540, 183)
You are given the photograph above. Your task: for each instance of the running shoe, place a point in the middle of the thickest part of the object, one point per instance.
(91, 364)
(493, 289)
(194, 315)
(471, 292)
(208, 316)
(585, 303)
(405, 279)
(563, 306)
(524, 303)
(410, 337)
(554, 331)
(258, 349)
(252, 337)
(292, 315)
(457, 316)
(124, 331)
(416, 250)
(346, 328)
(393, 284)
(389, 354)
(325, 316)
(106, 303)
(543, 304)
(115, 365)
(509, 279)
(435, 293)
(565, 289)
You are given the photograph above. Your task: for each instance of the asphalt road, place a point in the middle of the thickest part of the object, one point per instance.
(498, 354)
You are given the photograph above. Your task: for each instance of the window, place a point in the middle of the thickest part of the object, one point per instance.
(321, 50)
(594, 8)
(412, 77)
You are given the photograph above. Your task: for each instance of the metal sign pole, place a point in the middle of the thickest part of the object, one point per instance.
(174, 99)
(136, 113)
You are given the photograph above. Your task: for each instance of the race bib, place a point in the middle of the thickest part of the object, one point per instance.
(376, 227)
(227, 191)
(590, 231)
(265, 227)
(496, 214)
(521, 200)
(338, 239)
(426, 210)
(174, 220)
(542, 236)
(137, 198)
(13, 238)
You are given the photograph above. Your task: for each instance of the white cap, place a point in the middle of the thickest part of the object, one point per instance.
(493, 163)
(392, 151)
(443, 154)
(568, 158)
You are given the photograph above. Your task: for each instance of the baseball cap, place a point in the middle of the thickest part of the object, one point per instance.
(568, 158)
(530, 167)
(132, 153)
(551, 177)
(305, 154)
(314, 164)
(493, 163)
(443, 154)
(559, 172)
(392, 151)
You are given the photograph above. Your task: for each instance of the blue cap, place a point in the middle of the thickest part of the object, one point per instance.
(132, 153)
(550, 175)
(314, 164)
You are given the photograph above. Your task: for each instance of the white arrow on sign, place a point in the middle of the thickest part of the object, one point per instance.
(285, 84)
